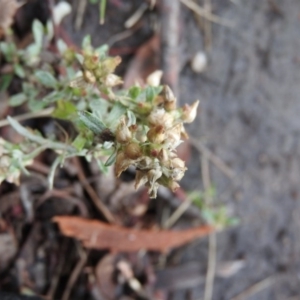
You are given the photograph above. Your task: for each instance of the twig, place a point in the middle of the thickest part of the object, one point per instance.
(207, 27)
(170, 28)
(217, 161)
(256, 288)
(76, 272)
(137, 15)
(80, 13)
(120, 36)
(177, 213)
(203, 13)
(94, 197)
(212, 239)
(31, 115)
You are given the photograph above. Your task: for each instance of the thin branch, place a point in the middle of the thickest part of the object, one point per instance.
(256, 288)
(170, 29)
(212, 239)
(217, 161)
(207, 27)
(203, 13)
(94, 197)
(31, 115)
(181, 209)
(80, 13)
(76, 272)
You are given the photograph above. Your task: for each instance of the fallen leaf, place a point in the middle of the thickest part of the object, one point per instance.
(99, 235)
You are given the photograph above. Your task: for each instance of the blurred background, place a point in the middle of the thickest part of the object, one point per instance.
(241, 59)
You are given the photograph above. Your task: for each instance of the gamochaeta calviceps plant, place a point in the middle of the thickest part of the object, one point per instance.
(139, 126)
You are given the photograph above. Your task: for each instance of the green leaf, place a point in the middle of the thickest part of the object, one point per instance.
(152, 92)
(131, 118)
(5, 81)
(79, 57)
(86, 42)
(53, 97)
(79, 142)
(19, 70)
(31, 54)
(102, 50)
(46, 79)
(38, 32)
(134, 92)
(37, 138)
(36, 105)
(9, 50)
(64, 110)
(101, 166)
(17, 99)
(61, 46)
(93, 1)
(99, 107)
(111, 160)
(91, 122)
(115, 114)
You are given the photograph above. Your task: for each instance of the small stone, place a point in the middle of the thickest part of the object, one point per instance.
(199, 62)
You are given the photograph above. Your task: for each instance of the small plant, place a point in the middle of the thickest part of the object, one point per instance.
(139, 126)
(212, 212)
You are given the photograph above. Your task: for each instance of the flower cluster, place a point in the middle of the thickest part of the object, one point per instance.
(150, 145)
(12, 161)
(99, 70)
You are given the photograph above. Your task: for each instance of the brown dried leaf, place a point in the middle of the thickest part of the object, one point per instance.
(98, 235)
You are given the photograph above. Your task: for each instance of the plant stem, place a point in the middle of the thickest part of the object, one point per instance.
(31, 115)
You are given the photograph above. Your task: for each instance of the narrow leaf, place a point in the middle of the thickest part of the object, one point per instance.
(111, 160)
(46, 79)
(17, 99)
(38, 32)
(91, 122)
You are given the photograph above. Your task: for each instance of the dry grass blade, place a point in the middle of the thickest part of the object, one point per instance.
(256, 288)
(98, 235)
(217, 161)
(205, 14)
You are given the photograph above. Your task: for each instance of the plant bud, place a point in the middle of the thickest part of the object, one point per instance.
(144, 108)
(156, 134)
(89, 62)
(160, 117)
(122, 163)
(163, 156)
(123, 134)
(140, 178)
(99, 73)
(110, 63)
(141, 136)
(133, 151)
(112, 80)
(173, 136)
(173, 186)
(177, 163)
(177, 173)
(189, 113)
(154, 78)
(89, 77)
(153, 175)
(170, 100)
